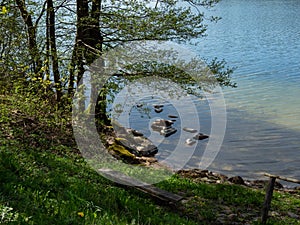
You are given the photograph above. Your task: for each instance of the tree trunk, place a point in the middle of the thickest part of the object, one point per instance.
(96, 39)
(88, 47)
(81, 36)
(31, 31)
(52, 41)
(72, 71)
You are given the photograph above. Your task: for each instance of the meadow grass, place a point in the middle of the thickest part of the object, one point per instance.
(45, 180)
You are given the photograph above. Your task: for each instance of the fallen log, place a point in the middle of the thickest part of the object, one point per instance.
(155, 192)
(292, 180)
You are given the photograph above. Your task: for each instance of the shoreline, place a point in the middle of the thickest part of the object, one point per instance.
(197, 175)
(212, 177)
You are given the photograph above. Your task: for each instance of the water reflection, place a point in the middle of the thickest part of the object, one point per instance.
(261, 39)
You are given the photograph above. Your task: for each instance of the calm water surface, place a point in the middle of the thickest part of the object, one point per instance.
(261, 39)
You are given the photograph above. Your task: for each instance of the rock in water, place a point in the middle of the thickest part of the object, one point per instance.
(190, 130)
(135, 142)
(168, 131)
(158, 110)
(158, 106)
(160, 124)
(135, 133)
(139, 146)
(164, 127)
(200, 136)
(190, 141)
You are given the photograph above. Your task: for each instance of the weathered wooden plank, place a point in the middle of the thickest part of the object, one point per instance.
(156, 192)
(283, 178)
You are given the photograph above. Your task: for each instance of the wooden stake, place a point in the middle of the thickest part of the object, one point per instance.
(268, 199)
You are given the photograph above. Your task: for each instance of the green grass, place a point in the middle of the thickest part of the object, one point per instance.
(43, 188)
(44, 180)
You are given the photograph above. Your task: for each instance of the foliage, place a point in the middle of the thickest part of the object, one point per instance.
(53, 41)
(13, 60)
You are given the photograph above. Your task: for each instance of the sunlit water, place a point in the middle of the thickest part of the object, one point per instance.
(262, 40)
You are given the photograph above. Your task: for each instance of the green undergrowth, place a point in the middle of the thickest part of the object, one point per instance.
(45, 180)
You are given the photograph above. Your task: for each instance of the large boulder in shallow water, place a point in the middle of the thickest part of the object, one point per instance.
(135, 142)
(164, 127)
(168, 131)
(160, 124)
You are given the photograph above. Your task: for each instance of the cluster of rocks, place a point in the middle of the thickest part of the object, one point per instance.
(140, 146)
(206, 176)
(198, 175)
(165, 127)
(227, 214)
(197, 137)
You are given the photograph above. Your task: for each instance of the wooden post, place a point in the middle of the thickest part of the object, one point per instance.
(269, 193)
(268, 199)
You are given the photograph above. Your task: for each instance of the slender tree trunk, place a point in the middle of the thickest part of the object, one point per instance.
(72, 71)
(47, 48)
(31, 30)
(54, 58)
(82, 35)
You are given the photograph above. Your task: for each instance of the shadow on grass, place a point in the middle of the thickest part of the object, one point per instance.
(43, 188)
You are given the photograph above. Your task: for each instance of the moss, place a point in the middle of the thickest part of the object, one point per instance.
(120, 139)
(121, 151)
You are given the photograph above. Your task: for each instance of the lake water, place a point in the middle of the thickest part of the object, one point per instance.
(261, 39)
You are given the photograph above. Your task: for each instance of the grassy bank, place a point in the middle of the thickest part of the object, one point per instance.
(44, 180)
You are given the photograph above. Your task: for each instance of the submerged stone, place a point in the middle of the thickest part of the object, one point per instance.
(200, 136)
(163, 123)
(168, 131)
(190, 130)
(164, 127)
(135, 142)
(190, 141)
(136, 133)
(158, 110)
(158, 106)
